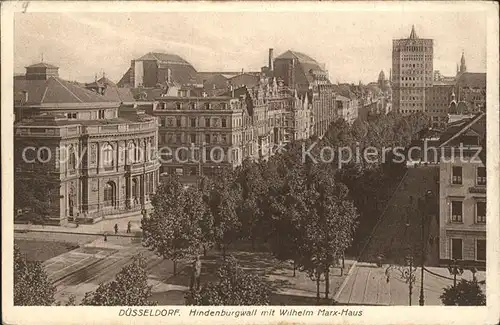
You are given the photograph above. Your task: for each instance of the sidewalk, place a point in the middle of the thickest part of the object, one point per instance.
(368, 285)
(100, 228)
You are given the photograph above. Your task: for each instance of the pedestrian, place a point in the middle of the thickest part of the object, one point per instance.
(116, 228)
(380, 257)
(387, 274)
(195, 275)
(129, 227)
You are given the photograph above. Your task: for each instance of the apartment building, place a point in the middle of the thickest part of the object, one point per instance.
(463, 193)
(199, 134)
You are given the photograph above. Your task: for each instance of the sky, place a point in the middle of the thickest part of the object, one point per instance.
(354, 46)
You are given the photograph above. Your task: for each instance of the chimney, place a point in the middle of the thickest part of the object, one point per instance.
(271, 59)
(169, 75)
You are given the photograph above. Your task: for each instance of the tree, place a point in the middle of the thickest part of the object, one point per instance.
(130, 288)
(328, 224)
(465, 293)
(313, 218)
(249, 178)
(175, 228)
(35, 194)
(223, 202)
(31, 284)
(233, 286)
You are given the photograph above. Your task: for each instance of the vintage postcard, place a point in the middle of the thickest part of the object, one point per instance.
(250, 162)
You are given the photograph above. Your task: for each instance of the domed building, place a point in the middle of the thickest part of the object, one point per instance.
(101, 152)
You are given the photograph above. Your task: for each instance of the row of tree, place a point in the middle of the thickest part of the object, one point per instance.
(233, 286)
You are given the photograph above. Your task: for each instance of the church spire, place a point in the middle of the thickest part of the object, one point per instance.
(413, 34)
(463, 67)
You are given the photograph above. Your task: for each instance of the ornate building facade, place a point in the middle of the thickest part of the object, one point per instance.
(198, 134)
(300, 72)
(102, 153)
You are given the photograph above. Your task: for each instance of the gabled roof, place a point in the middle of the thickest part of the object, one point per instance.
(125, 80)
(119, 94)
(43, 65)
(307, 69)
(297, 55)
(163, 57)
(55, 91)
(107, 82)
(476, 124)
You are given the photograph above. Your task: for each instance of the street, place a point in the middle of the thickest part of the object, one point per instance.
(367, 285)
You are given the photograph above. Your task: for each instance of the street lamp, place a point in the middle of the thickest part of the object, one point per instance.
(455, 270)
(421, 209)
(408, 274)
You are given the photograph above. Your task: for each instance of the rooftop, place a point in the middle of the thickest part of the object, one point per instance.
(475, 126)
(43, 65)
(472, 80)
(163, 57)
(54, 90)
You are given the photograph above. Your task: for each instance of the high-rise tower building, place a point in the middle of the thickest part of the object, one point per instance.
(412, 73)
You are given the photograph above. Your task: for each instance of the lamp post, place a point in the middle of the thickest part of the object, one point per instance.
(408, 274)
(422, 214)
(455, 269)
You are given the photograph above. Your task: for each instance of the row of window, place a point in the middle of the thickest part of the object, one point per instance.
(216, 154)
(415, 78)
(457, 249)
(194, 138)
(195, 105)
(457, 212)
(415, 65)
(412, 104)
(456, 177)
(195, 122)
(74, 116)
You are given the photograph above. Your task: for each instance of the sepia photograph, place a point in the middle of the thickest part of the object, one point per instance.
(306, 162)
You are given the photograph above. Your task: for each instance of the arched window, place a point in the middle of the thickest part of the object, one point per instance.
(107, 155)
(138, 151)
(110, 194)
(151, 183)
(135, 190)
(149, 149)
(72, 158)
(131, 152)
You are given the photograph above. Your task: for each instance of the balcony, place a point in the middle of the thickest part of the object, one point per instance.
(477, 190)
(138, 166)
